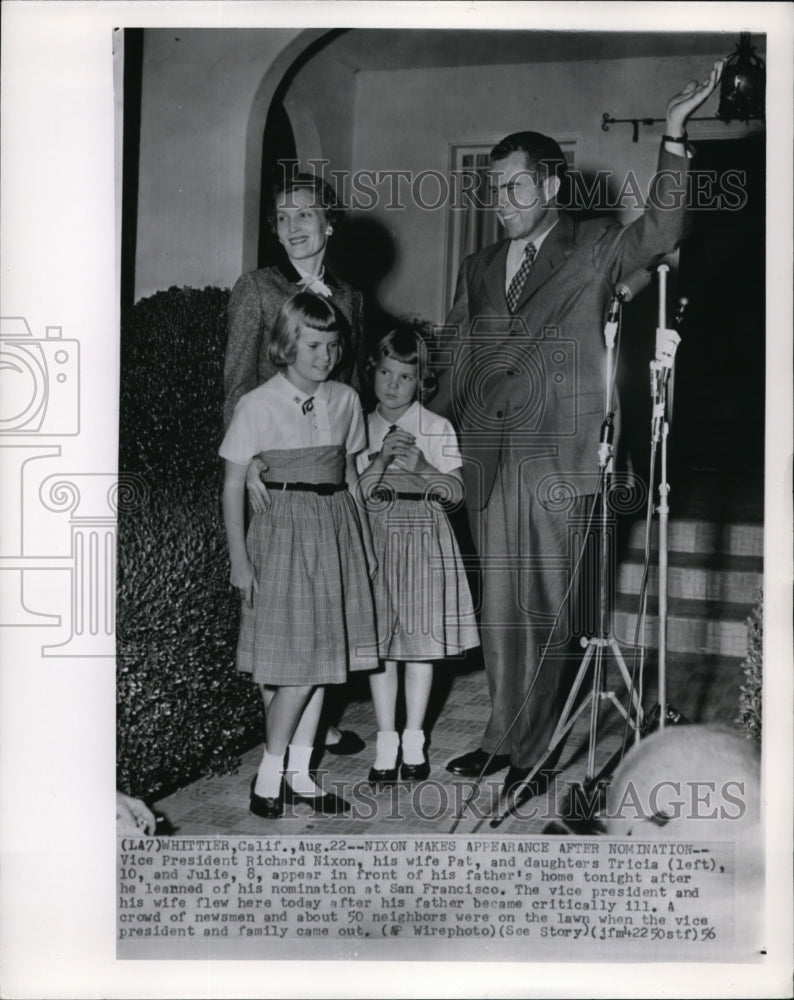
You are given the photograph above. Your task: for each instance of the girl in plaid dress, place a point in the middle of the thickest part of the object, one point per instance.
(303, 570)
(423, 604)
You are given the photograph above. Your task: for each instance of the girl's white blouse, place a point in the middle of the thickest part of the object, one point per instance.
(277, 416)
(435, 437)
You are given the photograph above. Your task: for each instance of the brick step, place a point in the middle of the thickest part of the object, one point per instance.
(702, 537)
(696, 576)
(703, 627)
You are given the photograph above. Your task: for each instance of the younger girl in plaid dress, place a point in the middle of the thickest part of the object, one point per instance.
(422, 600)
(303, 571)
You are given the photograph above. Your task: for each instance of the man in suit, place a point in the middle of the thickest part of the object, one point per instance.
(523, 382)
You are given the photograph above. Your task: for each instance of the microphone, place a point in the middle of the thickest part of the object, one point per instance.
(626, 289)
(611, 327)
(605, 441)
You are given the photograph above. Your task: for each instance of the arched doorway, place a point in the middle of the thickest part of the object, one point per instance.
(275, 132)
(278, 148)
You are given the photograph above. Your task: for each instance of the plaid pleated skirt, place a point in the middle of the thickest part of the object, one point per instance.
(423, 603)
(313, 615)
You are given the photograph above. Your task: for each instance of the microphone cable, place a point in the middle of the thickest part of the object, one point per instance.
(541, 663)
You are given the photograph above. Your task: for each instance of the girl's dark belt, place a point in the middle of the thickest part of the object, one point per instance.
(323, 489)
(383, 493)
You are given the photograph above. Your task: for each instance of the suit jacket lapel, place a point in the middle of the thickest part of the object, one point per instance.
(555, 250)
(494, 278)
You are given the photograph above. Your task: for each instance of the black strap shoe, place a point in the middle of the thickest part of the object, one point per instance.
(415, 772)
(382, 777)
(264, 806)
(471, 765)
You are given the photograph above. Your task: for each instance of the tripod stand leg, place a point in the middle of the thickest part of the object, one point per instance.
(624, 672)
(564, 724)
(595, 704)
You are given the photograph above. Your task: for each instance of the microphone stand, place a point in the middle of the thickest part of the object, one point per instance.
(661, 372)
(597, 646)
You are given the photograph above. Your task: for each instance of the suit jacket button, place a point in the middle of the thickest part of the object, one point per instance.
(499, 413)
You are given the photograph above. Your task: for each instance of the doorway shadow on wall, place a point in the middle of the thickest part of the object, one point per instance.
(363, 252)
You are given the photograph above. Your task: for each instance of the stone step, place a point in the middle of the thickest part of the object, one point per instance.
(696, 576)
(703, 537)
(703, 627)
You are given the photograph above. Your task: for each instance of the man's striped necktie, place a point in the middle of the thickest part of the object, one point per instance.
(520, 277)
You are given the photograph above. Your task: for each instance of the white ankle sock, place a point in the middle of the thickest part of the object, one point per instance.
(298, 770)
(387, 746)
(413, 741)
(268, 777)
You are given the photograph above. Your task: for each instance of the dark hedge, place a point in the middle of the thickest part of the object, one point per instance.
(182, 708)
(750, 695)
(171, 399)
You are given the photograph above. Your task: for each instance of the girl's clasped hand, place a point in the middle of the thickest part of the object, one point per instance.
(399, 446)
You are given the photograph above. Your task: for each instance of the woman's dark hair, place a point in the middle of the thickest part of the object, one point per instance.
(324, 195)
(302, 310)
(407, 347)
